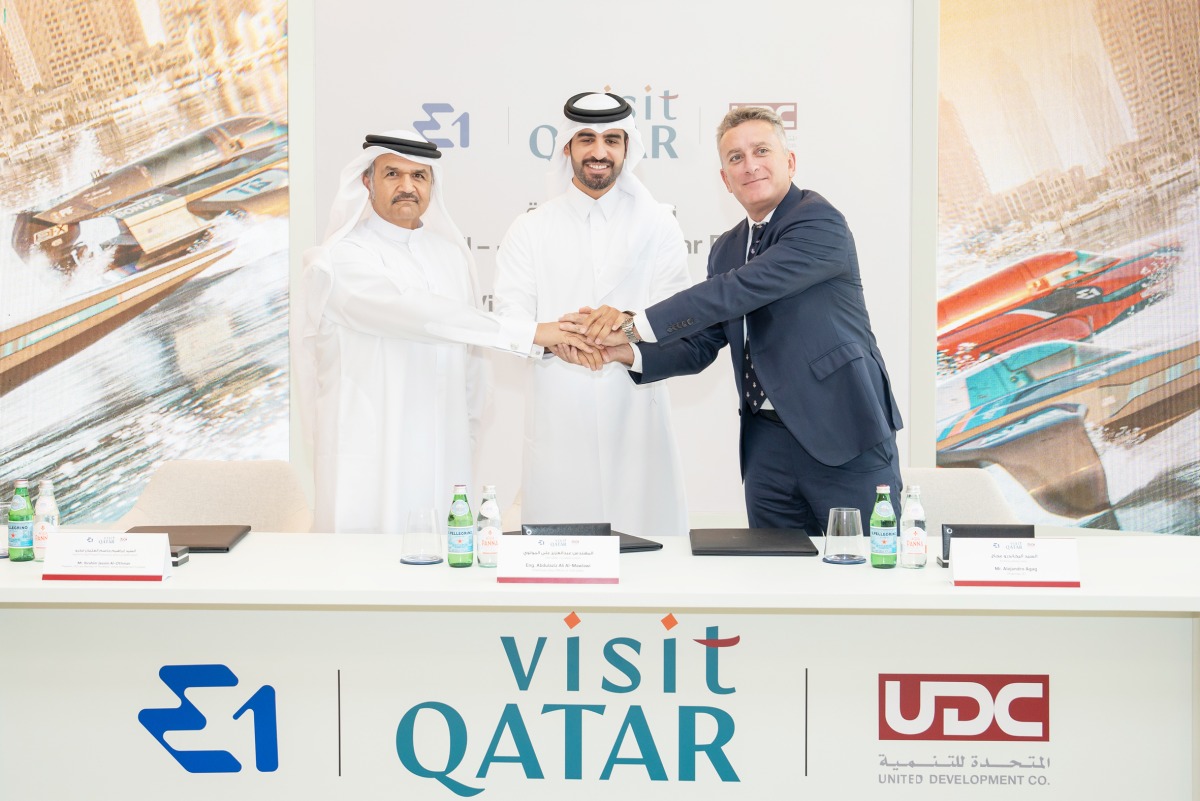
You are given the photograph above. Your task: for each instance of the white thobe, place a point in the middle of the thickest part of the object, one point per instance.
(598, 448)
(398, 390)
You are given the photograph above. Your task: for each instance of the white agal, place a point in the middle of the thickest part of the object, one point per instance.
(45, 519)
(913, 542)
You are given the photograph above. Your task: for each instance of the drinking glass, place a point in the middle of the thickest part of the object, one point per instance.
(844, 537)
(422, 541)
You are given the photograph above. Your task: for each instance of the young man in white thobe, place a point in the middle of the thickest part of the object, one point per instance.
(597, 447)
(388, 386)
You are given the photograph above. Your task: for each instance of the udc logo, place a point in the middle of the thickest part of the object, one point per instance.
(186, 717)
(436, 114)
(992, 707)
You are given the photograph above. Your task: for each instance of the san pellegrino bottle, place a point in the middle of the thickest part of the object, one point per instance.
(45, 519)
(883, 529)
(487, 528)
(460, 530)
(913, 542)
(20, 524)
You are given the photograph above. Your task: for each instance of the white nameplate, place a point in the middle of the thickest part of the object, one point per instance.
(107, 556)
(1014, 562)
(530, 559)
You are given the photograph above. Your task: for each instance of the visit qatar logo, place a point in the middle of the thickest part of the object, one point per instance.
(992, 707)
(638, 678)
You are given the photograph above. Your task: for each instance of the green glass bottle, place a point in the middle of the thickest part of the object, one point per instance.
(20, 524)
(460, 530)
(883, 529)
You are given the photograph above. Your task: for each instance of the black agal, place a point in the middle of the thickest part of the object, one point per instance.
(619, 111)
(407, 147)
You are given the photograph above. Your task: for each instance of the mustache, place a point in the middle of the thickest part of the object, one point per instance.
(401, 196)
(606, 162)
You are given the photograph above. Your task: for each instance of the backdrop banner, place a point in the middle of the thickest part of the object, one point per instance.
(143, 242)
(1068, 339)
(488, 82)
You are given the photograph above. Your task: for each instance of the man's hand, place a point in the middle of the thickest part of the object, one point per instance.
(550, 335)
(602, 323)
(622, 354)
(592, 359)
(599, 326)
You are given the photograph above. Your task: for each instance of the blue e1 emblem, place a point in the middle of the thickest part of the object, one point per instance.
(186, 717)
(432, 125)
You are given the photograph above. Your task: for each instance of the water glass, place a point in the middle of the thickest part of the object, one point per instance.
(844, 537)
(422, 540)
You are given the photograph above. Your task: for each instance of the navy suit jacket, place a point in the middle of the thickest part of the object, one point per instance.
(802, 300)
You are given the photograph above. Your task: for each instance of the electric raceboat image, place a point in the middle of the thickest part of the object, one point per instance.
(1060, 295)
(151, 224)
(1013, 409)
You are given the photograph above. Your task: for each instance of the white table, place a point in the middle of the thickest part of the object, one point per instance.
(361, 677)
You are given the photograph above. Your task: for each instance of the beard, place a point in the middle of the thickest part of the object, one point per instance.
(596, 182)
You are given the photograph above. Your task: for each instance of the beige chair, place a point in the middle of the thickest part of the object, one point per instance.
(958, 495)
(267, 495)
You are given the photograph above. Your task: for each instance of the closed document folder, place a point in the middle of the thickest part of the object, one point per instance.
(199, 539)
(751, 542)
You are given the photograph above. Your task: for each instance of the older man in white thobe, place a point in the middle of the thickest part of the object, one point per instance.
(597, 447)
(390, 390)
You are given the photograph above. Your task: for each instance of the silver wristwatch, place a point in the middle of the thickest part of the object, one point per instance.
(631, 333)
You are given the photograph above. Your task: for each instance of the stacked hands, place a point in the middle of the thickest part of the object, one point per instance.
(590, 337)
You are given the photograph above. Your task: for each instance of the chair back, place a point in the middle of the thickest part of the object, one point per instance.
(958, 495)
(266, 495)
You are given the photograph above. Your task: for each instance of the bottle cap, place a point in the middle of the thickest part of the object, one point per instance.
(460, 488)
(21, 482)
(45, 483)
(489, 489)
(882, 488)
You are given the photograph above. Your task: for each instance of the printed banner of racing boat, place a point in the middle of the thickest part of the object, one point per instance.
(152, 225)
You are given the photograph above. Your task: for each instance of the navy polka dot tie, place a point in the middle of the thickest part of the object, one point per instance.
(755, 394)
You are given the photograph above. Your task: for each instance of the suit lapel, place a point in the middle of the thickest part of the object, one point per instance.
(735, 252)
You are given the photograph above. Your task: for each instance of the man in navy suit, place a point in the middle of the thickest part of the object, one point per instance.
(819, 419)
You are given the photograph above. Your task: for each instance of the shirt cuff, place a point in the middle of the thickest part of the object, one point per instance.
(636, 367)
(644, 329)
(516, 335)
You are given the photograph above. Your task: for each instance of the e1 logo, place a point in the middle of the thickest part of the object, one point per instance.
(431, 124)
(964, 707)
(186, 717)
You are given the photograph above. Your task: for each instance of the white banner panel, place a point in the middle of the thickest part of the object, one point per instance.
(536, 704)
(488, 82)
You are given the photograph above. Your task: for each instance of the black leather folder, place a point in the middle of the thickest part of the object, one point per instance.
(751, 542)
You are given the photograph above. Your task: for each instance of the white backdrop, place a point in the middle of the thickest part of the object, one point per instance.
(485, 78)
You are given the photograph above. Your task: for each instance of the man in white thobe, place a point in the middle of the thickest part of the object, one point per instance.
(389, 388)
(597, 447)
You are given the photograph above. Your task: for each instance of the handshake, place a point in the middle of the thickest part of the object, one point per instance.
(590, 337)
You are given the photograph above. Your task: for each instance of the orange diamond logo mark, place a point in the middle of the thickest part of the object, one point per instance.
(669, 622)
(572, 620)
